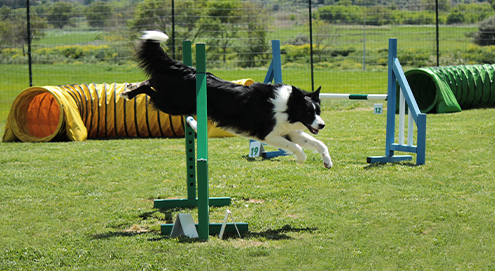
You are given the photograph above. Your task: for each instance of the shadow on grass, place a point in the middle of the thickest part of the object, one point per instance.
(162, 214)
(112, 234)
(278, 234)
(382, 165)
(257, 159)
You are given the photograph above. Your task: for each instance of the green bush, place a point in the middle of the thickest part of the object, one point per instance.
(341, 14)
(301, 53)
(415, 57)
(456, 17)
(482, 54)
(380, 15)
(419, 18)
(67, 54)
(469, 13)
(486, 33)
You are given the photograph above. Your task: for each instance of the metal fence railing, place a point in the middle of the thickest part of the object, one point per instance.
(340, 46)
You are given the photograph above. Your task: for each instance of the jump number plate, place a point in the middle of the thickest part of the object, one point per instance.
(378, 109)
(254, 148)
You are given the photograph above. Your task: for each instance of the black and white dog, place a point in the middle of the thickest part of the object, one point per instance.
(273, 114)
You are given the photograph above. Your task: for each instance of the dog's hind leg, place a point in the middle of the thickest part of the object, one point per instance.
(307, 141)
(134, 89)
(285, 144)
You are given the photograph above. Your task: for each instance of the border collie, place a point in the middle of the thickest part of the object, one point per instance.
(273, 114)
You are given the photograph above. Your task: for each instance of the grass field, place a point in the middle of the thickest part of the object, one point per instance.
(88, 205)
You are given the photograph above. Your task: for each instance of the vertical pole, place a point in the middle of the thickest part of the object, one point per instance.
(277, 62)
(202, 165)
(391, 99)
(402, 116)
(437, 33)
(421, 140)
(190, 136)
(173, 30)
(30, 62)
(364, 42)
(410, 127)
(187, 54)
(311, 46)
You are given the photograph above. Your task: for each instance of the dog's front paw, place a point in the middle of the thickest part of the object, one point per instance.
(132, 86)
(327, 162)
(124, 95)
(301, 158)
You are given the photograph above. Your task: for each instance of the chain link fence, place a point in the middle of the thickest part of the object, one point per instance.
(335, 44)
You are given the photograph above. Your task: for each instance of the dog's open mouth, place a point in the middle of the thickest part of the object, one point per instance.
(312, 130)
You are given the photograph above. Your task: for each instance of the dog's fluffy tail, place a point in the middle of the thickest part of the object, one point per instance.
(155, 36)
(151, 56)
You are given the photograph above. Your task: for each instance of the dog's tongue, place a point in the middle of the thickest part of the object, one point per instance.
(313, 130)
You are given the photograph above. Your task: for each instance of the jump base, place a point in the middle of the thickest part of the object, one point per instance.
(387, 159)
(166, 229)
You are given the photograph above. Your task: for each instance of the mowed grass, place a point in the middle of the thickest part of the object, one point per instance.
(88, 205)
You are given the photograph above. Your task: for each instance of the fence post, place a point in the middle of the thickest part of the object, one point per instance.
(30, 61)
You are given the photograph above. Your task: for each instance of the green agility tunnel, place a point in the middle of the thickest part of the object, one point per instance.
(452, 88)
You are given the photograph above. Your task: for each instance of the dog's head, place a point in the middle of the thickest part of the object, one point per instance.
(304, 107)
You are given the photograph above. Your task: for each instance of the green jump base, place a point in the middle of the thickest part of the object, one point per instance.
(215, 228)
(183, 203)
(388, 159)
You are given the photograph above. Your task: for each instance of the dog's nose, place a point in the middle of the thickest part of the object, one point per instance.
(321, 126)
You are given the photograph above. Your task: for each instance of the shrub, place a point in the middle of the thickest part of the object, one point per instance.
(419, 18)
(486, 33)
(341, 14)
(456, 17)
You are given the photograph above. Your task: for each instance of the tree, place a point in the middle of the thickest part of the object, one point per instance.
(187, 17)
(13, 28)
(60, 13)
(152, 14)
(98, 13)
(222, 24)
(253, 51)
(324, 39)
(13, 3)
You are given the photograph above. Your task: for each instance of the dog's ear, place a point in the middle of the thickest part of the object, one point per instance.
(296, 92)
(315, 95)
(318, 90)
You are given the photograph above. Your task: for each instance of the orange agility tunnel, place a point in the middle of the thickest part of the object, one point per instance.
(85, 111)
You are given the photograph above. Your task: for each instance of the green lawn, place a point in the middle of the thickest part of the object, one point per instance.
(88, 205)
(63, 37)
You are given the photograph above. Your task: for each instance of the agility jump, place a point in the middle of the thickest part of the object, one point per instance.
(200, 166)
(395, 77)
